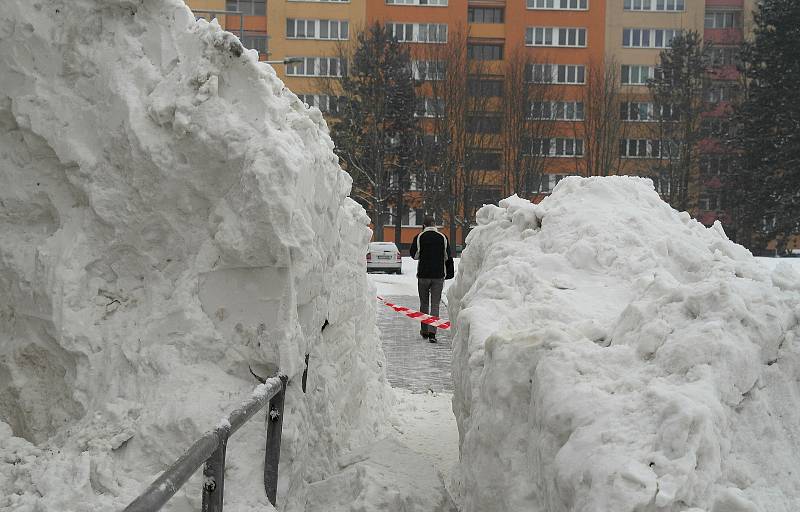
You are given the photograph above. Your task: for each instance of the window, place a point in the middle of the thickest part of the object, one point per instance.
(417, 2)
(648, 37)
(429, 107)
(485, 51)
(477, 87)
(568, 147)
(323, 102)
(710, 201)
(484, 124)
(418, 32)
(247, 7)
(645, 112)
(723, 19)
(721, 91)
(316, 66)
(636, 75)
(725, 56)
(558, 5)
(428, 69)
(639, 148)
(485, 15)
(717, 127)
(549, 182)
(489, 161)
(405, 212)
(636, 111)
(329, 1)
(255, 41)
(666, 113)
(317, 29)
(655, 5)
(554, 36)
(557, 147)
(557, 110)
(715, 165)
(556, 73)
(482, 194)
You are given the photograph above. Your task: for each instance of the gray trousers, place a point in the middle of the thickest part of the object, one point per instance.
(430, 295)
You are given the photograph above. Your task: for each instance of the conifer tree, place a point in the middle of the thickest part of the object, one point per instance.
(376, 130)
(764, 189)
(679, 90)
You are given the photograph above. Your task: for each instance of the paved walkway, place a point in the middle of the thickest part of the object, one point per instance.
(412, 362)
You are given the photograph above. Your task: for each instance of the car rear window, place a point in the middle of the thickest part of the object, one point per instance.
(382, 245)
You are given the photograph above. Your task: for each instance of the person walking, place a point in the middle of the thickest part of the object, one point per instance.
(432, 249)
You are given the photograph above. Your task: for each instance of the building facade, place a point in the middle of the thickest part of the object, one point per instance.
(311, 31)
(245, 18)
(566, 43)
(725, 25)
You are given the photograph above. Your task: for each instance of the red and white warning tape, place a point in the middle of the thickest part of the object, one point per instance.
(433, 321)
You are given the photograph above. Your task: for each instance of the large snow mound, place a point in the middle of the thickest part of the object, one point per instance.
(614, 355)
(169, 214)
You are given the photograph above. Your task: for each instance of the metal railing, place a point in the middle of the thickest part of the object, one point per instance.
(209, 451)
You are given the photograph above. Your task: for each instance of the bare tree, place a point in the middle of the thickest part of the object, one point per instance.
(602, 127)
(530, 113)
(458, 139)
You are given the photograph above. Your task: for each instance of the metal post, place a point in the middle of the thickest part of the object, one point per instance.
(273, 455)
(214, 476)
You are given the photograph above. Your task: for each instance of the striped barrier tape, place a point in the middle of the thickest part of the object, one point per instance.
(433, 321)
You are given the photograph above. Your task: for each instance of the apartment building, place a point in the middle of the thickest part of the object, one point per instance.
(428, 27)
(310, 31)
(564, 42)
(725, 24)
(249, 21)
(638, 31)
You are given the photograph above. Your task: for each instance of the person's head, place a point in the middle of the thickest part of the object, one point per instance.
(428, 222)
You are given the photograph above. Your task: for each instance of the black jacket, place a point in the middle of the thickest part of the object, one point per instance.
(432, 249)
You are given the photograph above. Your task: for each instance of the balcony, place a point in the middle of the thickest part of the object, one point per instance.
(725, 3)
(724, 36)
(491, 31)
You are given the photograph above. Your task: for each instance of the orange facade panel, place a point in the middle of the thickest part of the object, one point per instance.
(487, 30)
(453, 14)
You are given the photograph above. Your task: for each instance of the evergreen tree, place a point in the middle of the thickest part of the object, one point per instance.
(679, 90)
(376, 131)
(764, 189)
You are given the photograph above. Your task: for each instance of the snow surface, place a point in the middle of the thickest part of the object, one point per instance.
(613, 355)
(169, 215)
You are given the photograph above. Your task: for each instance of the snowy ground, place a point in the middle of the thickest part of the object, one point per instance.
(419, 372)
(406, 283)
(425, 420)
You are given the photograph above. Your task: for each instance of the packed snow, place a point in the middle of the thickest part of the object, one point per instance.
(612, 354)
(171, 217)
(170, 214)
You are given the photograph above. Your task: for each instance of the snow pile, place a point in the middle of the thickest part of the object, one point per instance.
(386, 475)
(612, 354)
(169, 214)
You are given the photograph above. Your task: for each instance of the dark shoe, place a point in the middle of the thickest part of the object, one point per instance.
(424, 334)
(432, 339)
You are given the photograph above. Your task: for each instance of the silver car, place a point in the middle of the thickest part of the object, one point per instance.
(384, 256)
